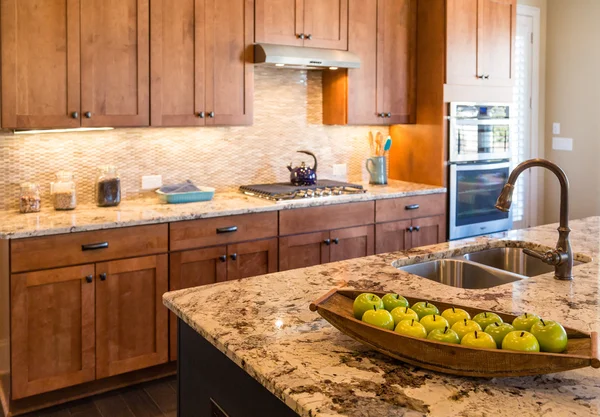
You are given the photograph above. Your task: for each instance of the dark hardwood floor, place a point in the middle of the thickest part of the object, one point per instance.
(151, 399)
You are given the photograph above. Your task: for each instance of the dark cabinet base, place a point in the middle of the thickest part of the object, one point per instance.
(211, 385)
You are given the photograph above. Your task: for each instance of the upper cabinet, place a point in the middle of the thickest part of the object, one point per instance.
(480, 38)
(312, 23)
(202, 62)
(382, 91)
(115, 61)
(40, 63)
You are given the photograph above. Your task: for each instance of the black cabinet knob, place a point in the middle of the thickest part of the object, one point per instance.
(309, 37)
(417, 228)
(487, 76)
(201, 115)
(222, 258)
(75, 115)
(89, 279)
(327, 242)
(103, 276)
(211, 114)
(389, 115)
(381, 115)
(409, 229)
(301, 36)
(233, 257)
(336, 241)
(88, 114)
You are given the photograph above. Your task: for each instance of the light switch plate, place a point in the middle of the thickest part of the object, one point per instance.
(151, 182)
(562, 144)
(556, 128)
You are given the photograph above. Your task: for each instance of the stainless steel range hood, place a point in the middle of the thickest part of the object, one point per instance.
(303, 58)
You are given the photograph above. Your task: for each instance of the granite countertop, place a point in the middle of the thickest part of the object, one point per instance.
(265, 326)
(137, 212)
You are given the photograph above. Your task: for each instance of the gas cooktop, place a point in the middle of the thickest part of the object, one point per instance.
(286, 191)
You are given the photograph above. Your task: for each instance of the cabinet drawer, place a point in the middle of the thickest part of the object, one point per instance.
(222, 230)
(315, 219)
(87, 247)
(410, 207)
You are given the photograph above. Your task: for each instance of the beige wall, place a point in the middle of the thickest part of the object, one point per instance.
(573, 99)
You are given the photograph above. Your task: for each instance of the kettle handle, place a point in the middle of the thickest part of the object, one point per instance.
(314, 168)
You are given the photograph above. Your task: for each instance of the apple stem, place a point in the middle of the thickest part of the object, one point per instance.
(465, 322)
(497, 324)
(412, 323)
(434, 317)
(426, 303)
(475, 334)
(525, 315)
(542, 320)
(522, 334)
(446, 330)
(485, 315)
(453, 310)
(375, 308)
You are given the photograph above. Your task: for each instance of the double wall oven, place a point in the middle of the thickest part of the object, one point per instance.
(479, 167)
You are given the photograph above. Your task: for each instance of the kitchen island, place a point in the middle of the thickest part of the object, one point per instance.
(263, 325)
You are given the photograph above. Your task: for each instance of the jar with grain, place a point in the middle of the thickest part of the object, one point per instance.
(63, 191)
(108, 186)
(30, 201)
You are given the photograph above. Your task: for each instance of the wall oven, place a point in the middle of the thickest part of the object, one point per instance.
(479, 147)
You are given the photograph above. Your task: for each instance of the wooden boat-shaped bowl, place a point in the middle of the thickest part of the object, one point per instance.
(337, 308)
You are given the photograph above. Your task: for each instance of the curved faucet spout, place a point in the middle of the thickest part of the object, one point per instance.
(562, 257)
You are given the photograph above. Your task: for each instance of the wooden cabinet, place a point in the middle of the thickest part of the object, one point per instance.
(202, 75)
(312, 23)
(428, 231)
(131, 321)
(383, 91)
(408, 234)
(53, 330)
(480, 42)
(251, 259)
(40, 63)
(301, 251)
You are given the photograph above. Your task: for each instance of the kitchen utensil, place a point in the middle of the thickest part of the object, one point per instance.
(376, 165)
(336, 308)
(388, 144)
(304, 175)
(379, 141)
(372, 143)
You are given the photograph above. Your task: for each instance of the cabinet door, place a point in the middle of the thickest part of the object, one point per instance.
(396, 60)
(251, 259)
(40, 63)
(177, 64)
(229, 61)
(301, 251)
(52, 321)
(194, 268)
(115, 66)
(279, 22)
(326, 24)
(497, 32)
(428, 231)
(131, 321)
(355, 242)
(392, 237)
(461, 42)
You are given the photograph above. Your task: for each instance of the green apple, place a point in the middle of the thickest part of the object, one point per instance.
(499, 331)
(525, 321)
(424, 308)
(391, 301)
(404, 313)
(364, 302)
(411, 328)
(433, 321)
(479, 340)
(521, 340)
(551, 336)
(465, 326)
(379, 317)
(455, 314)
(445, 335)
(485, 319)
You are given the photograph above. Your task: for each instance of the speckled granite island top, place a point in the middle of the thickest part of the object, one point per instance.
(264, 325)
(14, 225)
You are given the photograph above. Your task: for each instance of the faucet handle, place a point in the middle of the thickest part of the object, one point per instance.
(551, 257)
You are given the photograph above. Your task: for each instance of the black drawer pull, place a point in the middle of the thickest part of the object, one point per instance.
(336, 241)
(409, 229)
(418, 228)
(95, 246)
(411, 207)
(89, 279)
(229, 229)
(233, 257)
(327, 242)
(222, 258)
(103, 276)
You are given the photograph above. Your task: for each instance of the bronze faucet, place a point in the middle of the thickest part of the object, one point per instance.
(562, 256)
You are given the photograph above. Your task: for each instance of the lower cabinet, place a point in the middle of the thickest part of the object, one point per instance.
(131, 321)
(406, 234)
(53, 330)
(301, 251)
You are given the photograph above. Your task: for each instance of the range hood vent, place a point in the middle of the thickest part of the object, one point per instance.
(303, 58)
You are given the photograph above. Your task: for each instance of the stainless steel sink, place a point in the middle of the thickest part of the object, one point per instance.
(461, 274)
(512, 260)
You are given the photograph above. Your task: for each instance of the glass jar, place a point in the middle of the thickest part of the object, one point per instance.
(108, 186)
(30, 201)
(63, 191)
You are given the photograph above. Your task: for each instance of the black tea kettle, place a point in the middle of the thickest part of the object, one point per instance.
(304, 175)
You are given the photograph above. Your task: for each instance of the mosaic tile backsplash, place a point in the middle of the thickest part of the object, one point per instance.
(287, 117)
